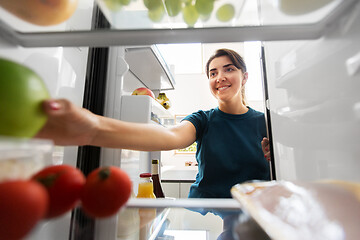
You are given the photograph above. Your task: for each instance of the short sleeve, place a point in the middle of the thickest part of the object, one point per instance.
(199, 120)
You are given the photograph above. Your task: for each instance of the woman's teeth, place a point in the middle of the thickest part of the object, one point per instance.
(222, 88)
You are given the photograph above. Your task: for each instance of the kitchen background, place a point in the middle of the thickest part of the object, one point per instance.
(192, 93)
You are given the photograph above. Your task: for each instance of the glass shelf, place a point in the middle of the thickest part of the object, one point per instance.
(261, 20)
(198, 218)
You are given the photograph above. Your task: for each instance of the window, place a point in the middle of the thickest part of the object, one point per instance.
(187, 58)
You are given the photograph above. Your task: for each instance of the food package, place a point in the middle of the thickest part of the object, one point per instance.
(288, 210)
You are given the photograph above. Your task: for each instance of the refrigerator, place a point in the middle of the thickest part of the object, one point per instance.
(310, 61)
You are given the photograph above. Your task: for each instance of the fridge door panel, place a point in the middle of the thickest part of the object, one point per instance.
(63, 71)
(117, 69)
(314, 104)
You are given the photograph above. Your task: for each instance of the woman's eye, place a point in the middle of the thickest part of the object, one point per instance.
(229, 70)
(212, 74)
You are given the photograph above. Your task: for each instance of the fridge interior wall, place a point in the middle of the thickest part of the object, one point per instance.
(137, 109)
(315, 103)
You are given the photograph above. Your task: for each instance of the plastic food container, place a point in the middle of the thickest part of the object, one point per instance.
(21, 158)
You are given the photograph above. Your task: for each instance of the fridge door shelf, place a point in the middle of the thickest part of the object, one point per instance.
(267, 23)
(160, 111)
(155, 76)
(145, 106)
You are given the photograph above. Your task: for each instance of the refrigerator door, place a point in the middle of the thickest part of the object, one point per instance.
(314, 103)
(63, 70)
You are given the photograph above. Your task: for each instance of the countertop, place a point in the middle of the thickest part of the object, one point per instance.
(180, 174)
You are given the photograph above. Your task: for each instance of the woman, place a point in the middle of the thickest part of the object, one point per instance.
(231, 142)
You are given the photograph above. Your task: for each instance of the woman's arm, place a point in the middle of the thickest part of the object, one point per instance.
(144, 137)
(71, 125)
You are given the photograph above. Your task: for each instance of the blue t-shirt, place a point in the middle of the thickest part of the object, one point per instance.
(228, 151)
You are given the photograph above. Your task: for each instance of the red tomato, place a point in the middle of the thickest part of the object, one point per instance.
(106, 190)
(64, 184)
(22, 205)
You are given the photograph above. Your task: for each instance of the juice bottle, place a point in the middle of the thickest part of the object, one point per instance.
(146, 188)
(147, 215)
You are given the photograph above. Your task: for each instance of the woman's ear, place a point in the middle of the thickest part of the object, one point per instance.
(245, 78)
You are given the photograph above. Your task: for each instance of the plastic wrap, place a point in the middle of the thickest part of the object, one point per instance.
(303, 210)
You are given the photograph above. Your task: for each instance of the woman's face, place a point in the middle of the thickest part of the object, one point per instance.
(225, 79)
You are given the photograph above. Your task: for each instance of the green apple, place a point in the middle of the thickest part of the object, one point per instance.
(22, 92)
(225, 13)
(156, 15)
(173, 7)
(205, 18)
(291, 7)
(125, 2)
(152, 4)
(204, 7)
(190, 15)
(113, 5)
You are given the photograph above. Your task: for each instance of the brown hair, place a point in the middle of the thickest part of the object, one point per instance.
(235, 58)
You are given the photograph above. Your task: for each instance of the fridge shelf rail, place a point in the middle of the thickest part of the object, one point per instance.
(192, 203)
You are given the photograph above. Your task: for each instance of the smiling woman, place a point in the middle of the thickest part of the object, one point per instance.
(227, 75)
(228, 137)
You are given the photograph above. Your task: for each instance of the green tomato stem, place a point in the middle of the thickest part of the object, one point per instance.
(48, 180)
(104, 173)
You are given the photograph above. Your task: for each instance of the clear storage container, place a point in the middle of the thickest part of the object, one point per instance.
(21, 158)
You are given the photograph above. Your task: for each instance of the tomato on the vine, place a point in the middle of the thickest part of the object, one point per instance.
(64, 184)
(22, 205)
(106, 190)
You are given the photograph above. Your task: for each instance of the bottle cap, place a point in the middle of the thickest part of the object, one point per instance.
(155, 161)
(144, 175)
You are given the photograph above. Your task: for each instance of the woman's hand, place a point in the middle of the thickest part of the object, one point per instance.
(68, 124)
(266, 148)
